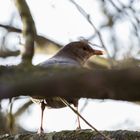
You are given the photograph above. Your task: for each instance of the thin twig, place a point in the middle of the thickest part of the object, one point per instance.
(88, 18)
(38, 38)
(124, 11)
(22, 108)
(11, 28)
(75, 111)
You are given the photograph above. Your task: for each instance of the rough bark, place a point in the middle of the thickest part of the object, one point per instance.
(75, 135)
(99, 84)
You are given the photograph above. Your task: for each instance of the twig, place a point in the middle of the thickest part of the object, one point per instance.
(84, 106)
(122, 10)
(75, 111)
(22, 109)
(88, 18)
(10, 115)
(11, 29)
(38, 38)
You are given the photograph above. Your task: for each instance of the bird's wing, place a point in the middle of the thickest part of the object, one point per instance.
(60, 62)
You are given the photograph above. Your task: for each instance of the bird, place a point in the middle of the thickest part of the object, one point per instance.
(74, 54)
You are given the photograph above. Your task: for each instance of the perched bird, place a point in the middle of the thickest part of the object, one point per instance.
(74, 54)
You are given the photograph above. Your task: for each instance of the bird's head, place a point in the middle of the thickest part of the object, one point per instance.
(80, 51)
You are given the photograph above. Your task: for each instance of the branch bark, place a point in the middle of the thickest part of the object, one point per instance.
(76, 135)
(29, 30)
(99, 84)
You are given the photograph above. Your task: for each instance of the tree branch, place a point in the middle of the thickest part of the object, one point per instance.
(29, 30)
(88, 18)
(38, 38)
(76, 134)
(99, 84)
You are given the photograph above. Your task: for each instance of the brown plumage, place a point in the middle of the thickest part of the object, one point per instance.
(74, 54)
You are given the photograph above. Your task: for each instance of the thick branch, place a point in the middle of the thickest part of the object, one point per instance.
(98, 84)
(29, 30)
(76, 135)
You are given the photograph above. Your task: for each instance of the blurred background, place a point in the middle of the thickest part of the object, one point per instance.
(114, 25)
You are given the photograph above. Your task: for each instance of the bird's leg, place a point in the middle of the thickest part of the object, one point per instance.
(40, 130)
(78, 118)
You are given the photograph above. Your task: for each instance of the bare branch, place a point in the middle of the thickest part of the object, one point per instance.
(22, 109)
(76, 112)
(124, 10)
(29, 30)
(87, 17)
(38, 38)
(98, 84)
(76, 135)
(11, 29)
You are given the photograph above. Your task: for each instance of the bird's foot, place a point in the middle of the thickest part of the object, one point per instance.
(78, 128)
(40, 131)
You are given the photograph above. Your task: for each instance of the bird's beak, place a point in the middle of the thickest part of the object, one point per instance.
(98, 52)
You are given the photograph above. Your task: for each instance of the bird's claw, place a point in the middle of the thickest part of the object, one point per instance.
(40, 131)
(78, 128)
